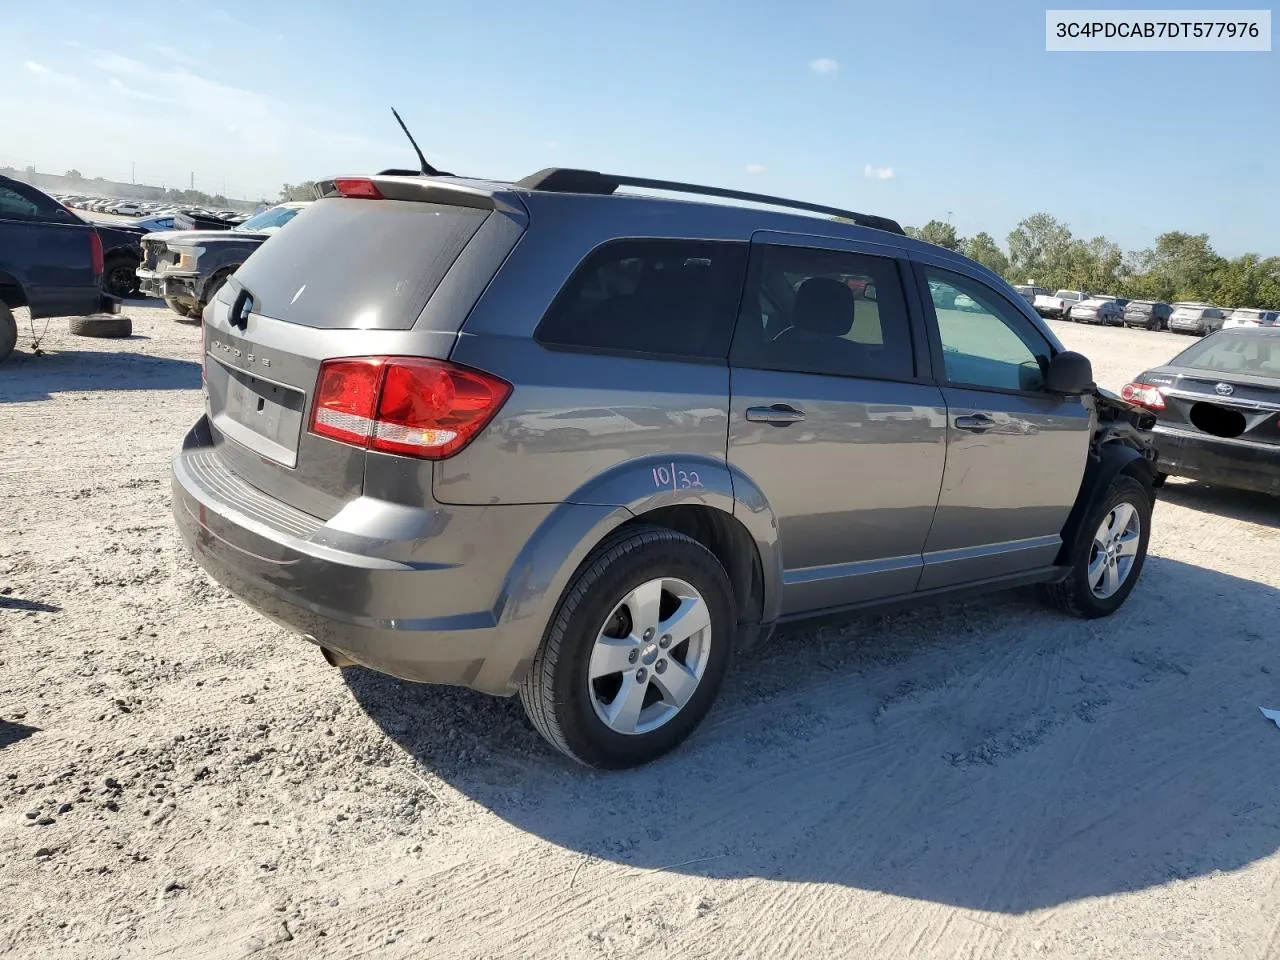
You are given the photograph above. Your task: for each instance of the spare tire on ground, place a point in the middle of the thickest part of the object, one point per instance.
(105, 325)
(8, 331)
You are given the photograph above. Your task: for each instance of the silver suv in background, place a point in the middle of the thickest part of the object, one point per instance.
(1196, 318)
(546, 439)
(1100, 308)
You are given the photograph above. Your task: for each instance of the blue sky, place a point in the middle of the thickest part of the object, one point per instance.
(911, 110)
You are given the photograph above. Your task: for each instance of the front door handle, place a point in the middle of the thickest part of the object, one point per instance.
(977, 423)
(780, 414)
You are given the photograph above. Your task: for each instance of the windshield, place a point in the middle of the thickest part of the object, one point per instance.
(272, 219)
(1237, 351)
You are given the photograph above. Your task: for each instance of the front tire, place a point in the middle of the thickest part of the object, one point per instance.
(636, 651)
(1109, 553)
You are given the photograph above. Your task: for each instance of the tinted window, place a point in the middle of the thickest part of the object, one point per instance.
(357, 264)
(1235, 351)
(988, 343)
(272, 219)
(667, 297)
(14, 204)
(823, 311)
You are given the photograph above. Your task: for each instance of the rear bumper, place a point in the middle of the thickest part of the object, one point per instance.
(353, 586)
(1241, 464)
(1184, 327)
(180, 286)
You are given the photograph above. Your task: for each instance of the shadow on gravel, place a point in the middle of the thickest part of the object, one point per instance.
(1261, 508)
(17, 603)
(27, 377)
(994, 756)
(11, 733)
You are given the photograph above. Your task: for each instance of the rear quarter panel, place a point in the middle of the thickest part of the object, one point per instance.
(573, 416)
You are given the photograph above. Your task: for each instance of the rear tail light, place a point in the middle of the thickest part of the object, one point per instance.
(405, 405)
(95, 253)
(359, 189)
(1143, 394)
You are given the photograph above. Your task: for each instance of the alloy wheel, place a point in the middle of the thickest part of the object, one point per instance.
(1114, 550)
(649, 656)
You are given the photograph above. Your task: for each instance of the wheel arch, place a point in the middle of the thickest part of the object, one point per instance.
(12, 293)
(731, 544)
(1112, 460)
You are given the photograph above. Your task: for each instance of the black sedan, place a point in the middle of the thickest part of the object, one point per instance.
(1218, 409)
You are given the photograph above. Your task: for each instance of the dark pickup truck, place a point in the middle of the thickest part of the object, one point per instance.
(50, 261)
(186, 267)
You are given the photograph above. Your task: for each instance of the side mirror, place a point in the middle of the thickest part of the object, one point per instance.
(1069, 373)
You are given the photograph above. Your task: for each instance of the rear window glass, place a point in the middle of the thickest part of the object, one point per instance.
(664, 297)
(1235, 351)
(358, 264)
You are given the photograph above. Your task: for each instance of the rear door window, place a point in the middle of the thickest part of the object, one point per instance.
(673, 298)
(819, 311)
(358, 264)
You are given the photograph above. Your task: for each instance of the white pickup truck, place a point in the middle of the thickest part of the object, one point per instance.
(1059, 304)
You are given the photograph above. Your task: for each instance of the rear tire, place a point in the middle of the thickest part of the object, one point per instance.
(1079, 593)
(102, 326)
(563, 701)
(120, 276)
(8, 332)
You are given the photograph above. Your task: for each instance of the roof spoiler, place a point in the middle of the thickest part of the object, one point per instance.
(567, 180)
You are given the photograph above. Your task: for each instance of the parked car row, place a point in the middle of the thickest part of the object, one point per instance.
(146, 209)
(1193, 317)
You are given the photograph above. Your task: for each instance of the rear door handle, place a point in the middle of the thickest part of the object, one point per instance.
(977, 423)
(780, 414)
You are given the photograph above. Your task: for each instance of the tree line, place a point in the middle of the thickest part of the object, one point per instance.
(1178, 267)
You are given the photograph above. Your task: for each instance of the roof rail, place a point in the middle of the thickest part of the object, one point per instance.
(567, 180)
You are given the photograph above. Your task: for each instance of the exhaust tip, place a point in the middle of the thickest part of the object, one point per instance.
(336, 659)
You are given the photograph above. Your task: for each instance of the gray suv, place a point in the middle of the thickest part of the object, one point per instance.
(543, 438)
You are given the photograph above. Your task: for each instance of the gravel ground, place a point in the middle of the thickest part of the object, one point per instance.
(180, 778)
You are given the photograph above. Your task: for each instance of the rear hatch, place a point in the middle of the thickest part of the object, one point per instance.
(351, 277)
(1136, 310)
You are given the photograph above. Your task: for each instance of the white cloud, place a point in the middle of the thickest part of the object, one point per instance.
(172, 53)
(872, 172)
(824, 65)
(755, 168)
(50, 76)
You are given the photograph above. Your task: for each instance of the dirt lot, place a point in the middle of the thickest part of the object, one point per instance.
(180, 778)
